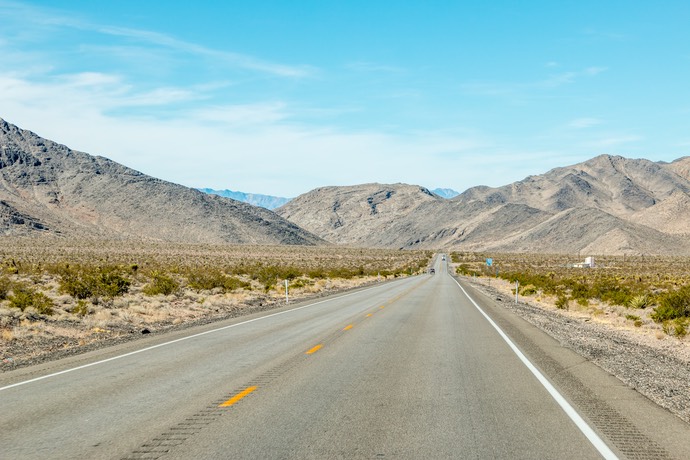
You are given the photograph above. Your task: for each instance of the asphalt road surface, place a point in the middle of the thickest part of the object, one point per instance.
(418, 368)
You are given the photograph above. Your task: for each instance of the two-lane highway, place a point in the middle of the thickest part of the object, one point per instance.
(407, 369)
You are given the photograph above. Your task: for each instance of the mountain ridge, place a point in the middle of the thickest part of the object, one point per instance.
(255, 199)
(47, 187)
(607, 205)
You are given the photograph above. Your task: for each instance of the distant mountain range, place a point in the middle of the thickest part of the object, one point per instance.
(264, 201)
(606, 205)
(447, 193)
(47, 188)
(273, 202)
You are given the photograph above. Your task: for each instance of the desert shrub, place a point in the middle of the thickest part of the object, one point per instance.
(562, 302)
(672, 305)
(208, 279)
(161, 284)
(205, 279)
(267, 276)
(612, 291)
(529, 289)
(110, 282)
(677, 327)
(639, 301)
(232, 283)
(5, 286)
(80, 309)
(24, 297)
(301, 282)
(580, 292)
(463, 269)
(84, 282)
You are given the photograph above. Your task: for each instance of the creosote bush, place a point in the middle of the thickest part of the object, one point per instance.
(5, 286)
(209, 279)
(83, 282)
(562, 302)
(161, 284)
(672, 305)
(23, 297)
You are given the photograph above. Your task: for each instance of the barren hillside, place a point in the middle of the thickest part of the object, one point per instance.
(607, 205)
(47, 188)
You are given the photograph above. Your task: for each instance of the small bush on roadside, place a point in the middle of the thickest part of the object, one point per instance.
(5, 286)
(672, 305)
(81, 308)
(205, 279)
(530, 289)
(562, 302)
(161, 284)
(232, 283)
(677, 327)
(85, 282)
(24, 297)
(639, 301)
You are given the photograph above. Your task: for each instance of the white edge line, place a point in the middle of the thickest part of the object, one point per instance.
(593, 438)
(181, 339)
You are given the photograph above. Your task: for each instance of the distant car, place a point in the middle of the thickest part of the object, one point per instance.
(443, 258)
(432, 271)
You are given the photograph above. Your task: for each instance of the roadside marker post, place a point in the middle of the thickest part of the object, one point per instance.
(287, 299)
(517, 284)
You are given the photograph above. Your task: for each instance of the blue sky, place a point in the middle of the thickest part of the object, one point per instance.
(282, 97)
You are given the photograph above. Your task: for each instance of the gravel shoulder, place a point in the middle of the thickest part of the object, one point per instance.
(655, 365)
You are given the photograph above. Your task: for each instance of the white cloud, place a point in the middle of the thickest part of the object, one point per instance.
(613, 141)
(361, 66)
(583, 123)
(256, 147)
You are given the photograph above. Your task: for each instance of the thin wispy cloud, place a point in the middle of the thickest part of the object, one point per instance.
(373, 67)
(567, 78)
(302, 97)
(584, 123)
(43, 17)
(231, 58)
(614, 141)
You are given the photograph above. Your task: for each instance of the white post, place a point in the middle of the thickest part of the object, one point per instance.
(517, 284)
(287, 299)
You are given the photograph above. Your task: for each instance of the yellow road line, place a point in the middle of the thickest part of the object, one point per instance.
(237, 397)
(369, 315)
(383, 306)
(347, 328)
(315, 349)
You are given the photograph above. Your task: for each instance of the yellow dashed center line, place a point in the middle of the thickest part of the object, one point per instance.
(382, 307)
(237, 397)
(347, 328)
(370, 314)
(315, 349)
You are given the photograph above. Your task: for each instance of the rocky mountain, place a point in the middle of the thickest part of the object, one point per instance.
(607, 205)
(47, 188)
(263, 201)
(364, 215)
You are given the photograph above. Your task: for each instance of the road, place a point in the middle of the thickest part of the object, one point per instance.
(420, 367)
